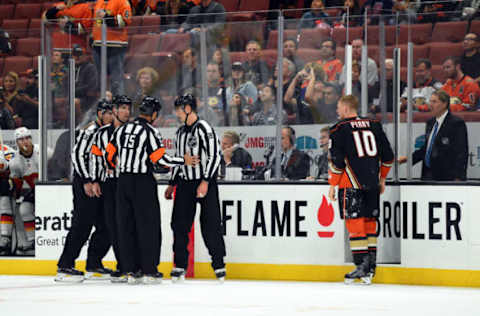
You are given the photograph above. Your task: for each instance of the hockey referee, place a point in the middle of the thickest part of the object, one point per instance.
(105, 179)
(196, 184)
(87, 209)
(136, 146)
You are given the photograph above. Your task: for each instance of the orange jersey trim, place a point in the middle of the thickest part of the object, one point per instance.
(157, 155)
(96, 151)
(111, 150)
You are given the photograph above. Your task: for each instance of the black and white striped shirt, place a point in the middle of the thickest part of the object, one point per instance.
(81, 151)
(136, 146)
(197, 140)
(99, 170)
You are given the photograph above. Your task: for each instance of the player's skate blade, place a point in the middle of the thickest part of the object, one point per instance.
(69, 276)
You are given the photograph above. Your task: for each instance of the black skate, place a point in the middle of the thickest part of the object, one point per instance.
(155, 278)
(98, 274)
(70, 275)
(220, 274)
(359, 274)
(5, 246)
(135, 278)
(177, 275)
(118, 277)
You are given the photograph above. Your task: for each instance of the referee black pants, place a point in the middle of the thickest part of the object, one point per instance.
(138, 222)
(184, 208)
(109, 193)
(87, 212)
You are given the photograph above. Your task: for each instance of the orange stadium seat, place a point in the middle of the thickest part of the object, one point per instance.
(256, 5)
(135, 25)
(17, 28)
(272, 42)
(373, 35)
(420, 33)
(174, 42)
(230, 5)
(270, 57)
(312, 38)
(6, 11)
(2, 63)
(47, 5)
(475, 27)
(144, 44)
(166, 65)
(439, 51)
(151, 24)
(449, 31)
(239, 34)
(35, 28)
(28, 47)
(238, 56)
(28, 10)
(308, 54)
(17, 64)
(339, 35)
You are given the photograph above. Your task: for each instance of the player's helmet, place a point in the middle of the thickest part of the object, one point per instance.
(22, 132)
(104, 105)
(122, 99)
(186, 99)
(149, 106)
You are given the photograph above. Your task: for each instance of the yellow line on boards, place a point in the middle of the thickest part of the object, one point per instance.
(284, 272)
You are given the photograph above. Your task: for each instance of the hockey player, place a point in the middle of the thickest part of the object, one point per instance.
(360, 159)
(24, 172)
(105, 180)
(87, 209)
(6, 201)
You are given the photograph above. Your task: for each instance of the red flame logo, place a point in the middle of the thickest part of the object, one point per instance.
(325, 217)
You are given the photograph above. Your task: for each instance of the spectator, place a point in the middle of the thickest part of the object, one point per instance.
(435, 11)
(295, 165)
(463, 90)
(240, 85)
(117, 15)
(328, 108)
(213, 111)
(290, 52)
(375, 108)
(239, 111)
(6, 119)
(167, 117)
(320, 162)
(211, 15)
(256, 70)
(174, 14)
(221, 56)
(86, 79)
(232, 154)
(470, 59)
(376, 8)
(470, 9)
(445, 152)
(31, 84)
(372, 69)
(423, 87)
(315, 100)
(147, 80)
(58, 74)
(316, 17)
(23, 109)
(351, 14)
(190, 75)
(143, 7)
(267, 114)
(332, 66)
(5, 44)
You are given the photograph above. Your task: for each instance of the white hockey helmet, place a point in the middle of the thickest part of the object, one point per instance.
(22, 132)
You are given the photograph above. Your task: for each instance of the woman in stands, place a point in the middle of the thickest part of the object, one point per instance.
(24, 109)
(146, 85)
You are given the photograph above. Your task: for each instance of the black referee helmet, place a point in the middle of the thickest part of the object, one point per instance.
(149, 106)
(187, 99)
(104, 105)
(121, 99)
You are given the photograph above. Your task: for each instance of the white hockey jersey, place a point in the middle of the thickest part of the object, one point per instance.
(24, 170)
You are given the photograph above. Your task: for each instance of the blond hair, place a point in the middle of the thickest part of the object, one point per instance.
(148, 70)
(233, 136)
(350, 100)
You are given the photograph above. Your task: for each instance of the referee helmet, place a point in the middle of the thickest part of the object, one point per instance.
(149, 106)
(104, 105)
(121, 99)
(186, 99)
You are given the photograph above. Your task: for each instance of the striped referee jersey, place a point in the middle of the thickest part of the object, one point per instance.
(81, 151)
(99, 170)
(199, 140)
(136, 146)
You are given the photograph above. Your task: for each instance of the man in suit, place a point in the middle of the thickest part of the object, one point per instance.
(445, 152)
(295, 164)
(232, 154)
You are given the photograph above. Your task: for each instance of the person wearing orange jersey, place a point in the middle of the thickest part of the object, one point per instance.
(462, 89)
(74, 18)
(331, 65)
(117, 15)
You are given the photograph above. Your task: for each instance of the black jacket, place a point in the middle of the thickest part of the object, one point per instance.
(449, 155)
(240, 158)
(298, 166)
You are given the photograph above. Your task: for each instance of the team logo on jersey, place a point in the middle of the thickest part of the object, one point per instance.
(192, 142)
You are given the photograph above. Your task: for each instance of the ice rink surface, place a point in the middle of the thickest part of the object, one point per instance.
(30, 295)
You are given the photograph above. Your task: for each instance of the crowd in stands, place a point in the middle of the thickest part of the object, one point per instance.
(153, 48)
